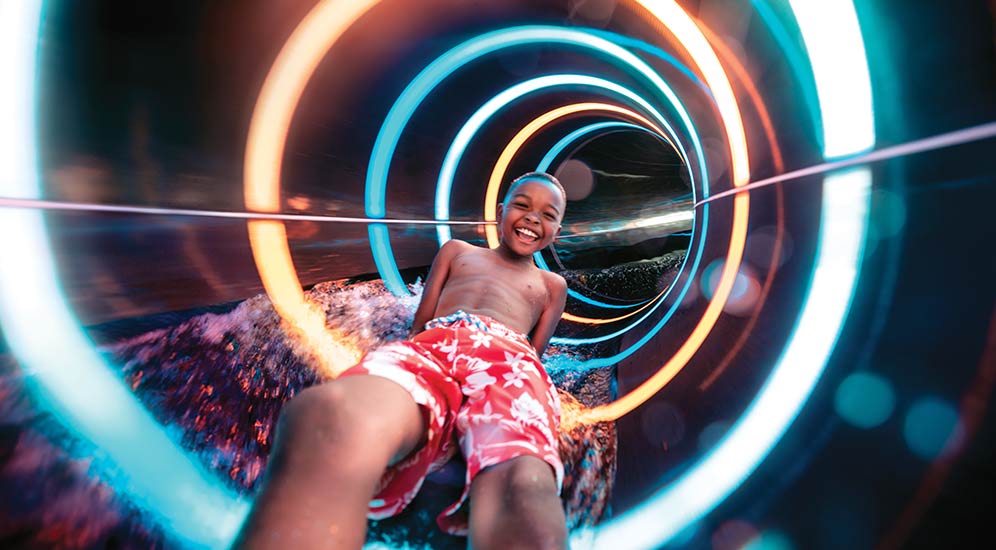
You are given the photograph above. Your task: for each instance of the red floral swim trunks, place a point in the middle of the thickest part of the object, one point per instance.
(484, 389)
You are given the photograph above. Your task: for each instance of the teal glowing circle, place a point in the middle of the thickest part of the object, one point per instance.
(865, 400)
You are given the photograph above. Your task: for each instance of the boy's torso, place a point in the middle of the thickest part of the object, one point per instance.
(480, 281)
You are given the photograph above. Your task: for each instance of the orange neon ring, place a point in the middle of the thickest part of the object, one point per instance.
(516, 143)
(281, 92)
(691, 38)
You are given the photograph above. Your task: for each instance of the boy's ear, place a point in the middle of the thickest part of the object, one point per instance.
(501, 209)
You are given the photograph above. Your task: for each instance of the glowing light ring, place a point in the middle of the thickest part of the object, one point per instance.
(501, 165)
(501, 168)
(828, 298)
(566, 141)
(633, 43)
(444, 183)
(497, 174)
(686, 32)
(70, 379)
(799, 65)
(419, 88)
(705, 58)
(482, 115)
(544, 166)
(298, 60)
(724, 99)
(856, 190)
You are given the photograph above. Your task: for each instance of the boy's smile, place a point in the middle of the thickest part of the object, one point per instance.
(530, 217)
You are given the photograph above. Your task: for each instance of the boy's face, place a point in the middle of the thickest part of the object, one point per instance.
(530, 218)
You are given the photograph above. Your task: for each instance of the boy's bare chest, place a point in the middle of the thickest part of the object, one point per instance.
(498, 279)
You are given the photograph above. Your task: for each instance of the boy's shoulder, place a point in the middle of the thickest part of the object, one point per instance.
(457, 244)
(554, 281)
(454, 247)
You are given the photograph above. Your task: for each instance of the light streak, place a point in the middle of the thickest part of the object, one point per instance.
(271, 118)
(665, 219)
(826, 304)
(419, 88)
(686, 31)
(225, 214)
(444, 182)
(505, 158)
(684, 28)
(940, 141)
(833, 40)
(63, 371)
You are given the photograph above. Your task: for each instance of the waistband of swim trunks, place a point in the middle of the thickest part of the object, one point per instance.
(482, 322)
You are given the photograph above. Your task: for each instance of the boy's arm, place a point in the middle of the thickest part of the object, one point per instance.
(438, 274)
(548, 320)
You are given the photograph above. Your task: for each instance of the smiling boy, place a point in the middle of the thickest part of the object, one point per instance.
(468, 378)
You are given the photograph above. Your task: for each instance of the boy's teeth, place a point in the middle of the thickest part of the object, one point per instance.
(528, 233)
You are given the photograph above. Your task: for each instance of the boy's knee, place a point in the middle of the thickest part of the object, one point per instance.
(321, 417)
(353, 420)
(529, 477)
(315, 409)
(525, 510)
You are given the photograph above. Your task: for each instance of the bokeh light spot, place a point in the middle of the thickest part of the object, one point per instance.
(663, 424)
(744, 294)
(733, 535)
(865, 400)
(888, 213)
(930, 423)
(712, 433)
(710, 277)
(770, 540)
(577, 178)
(762, 245)
(595, 11)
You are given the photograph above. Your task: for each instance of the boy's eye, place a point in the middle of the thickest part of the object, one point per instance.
(551, 217)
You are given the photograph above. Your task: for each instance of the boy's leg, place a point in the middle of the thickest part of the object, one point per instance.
(515, 505)
(333, 443)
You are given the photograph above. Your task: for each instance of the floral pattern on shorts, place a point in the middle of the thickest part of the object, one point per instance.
(486, 392)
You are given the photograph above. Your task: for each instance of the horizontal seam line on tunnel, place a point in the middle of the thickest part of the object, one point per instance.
(7, 202)
(940, 141)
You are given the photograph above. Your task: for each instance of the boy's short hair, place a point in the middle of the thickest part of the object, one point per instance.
(542, 176)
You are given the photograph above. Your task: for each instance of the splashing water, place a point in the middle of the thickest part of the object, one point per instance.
(218, 382)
